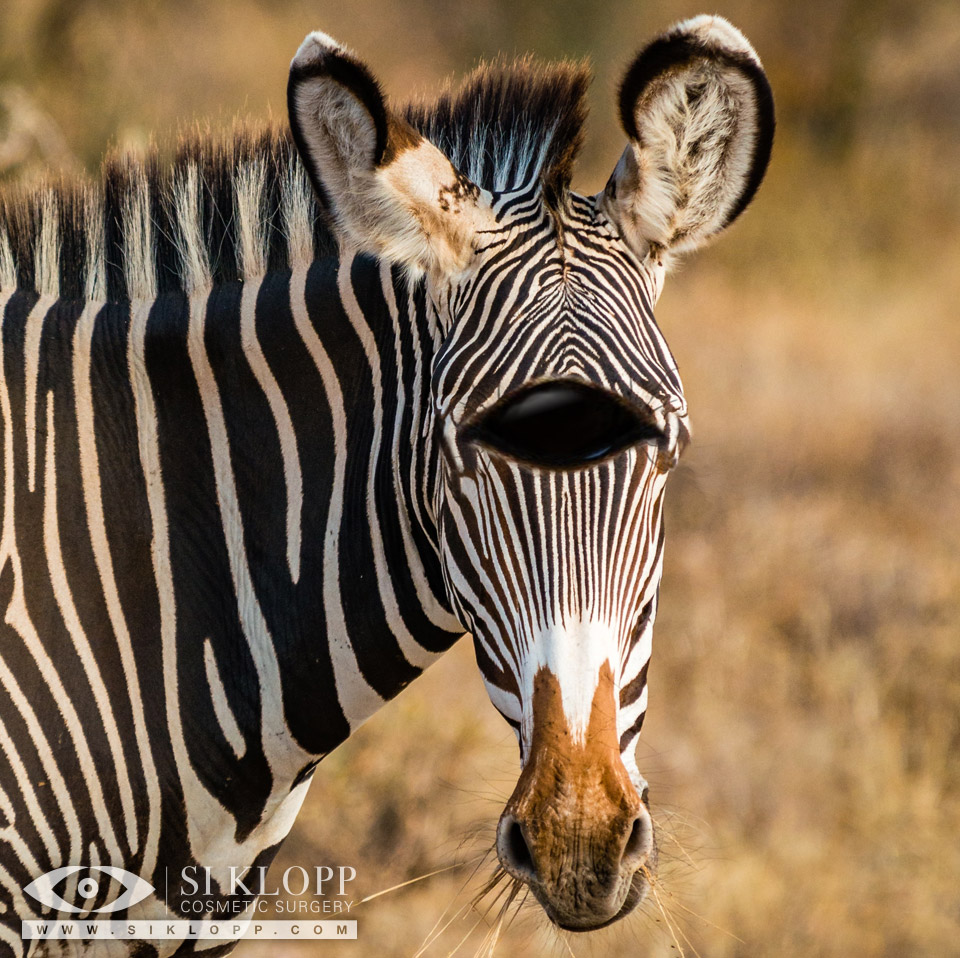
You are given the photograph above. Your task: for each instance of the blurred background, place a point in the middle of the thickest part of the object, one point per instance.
(803, 739)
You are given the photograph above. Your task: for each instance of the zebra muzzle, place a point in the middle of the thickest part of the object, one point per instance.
(575, 829)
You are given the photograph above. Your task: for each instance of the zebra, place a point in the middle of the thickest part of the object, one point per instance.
(284, 418)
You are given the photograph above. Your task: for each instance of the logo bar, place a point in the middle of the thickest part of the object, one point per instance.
(273, 930)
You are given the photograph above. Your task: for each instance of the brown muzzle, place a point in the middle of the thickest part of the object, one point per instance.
(575, 829)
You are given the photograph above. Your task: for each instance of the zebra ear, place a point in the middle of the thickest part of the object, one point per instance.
(390, 191)
(698, 111)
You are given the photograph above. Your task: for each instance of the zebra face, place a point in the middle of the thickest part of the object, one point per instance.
(558, 422)
(556, 406)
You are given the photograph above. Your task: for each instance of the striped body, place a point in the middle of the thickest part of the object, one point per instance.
(227, 489)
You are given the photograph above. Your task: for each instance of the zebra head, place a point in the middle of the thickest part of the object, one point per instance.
(556, 406)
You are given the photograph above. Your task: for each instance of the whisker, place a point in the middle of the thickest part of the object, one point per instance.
(489, 944)
(437, 930)
(508, 889)
(411, 881)
(675, 901)
(520, 904)
(473, 927)
(566, 944)
(497, 877)
(663, 911)
(435, 933)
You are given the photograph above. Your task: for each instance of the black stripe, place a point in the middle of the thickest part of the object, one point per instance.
(632, 732)
(630, 692)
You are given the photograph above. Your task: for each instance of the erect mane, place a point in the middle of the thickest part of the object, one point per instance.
(121, 236)
(510, 124)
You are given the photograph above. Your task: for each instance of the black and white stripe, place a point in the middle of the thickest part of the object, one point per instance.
(213, 561)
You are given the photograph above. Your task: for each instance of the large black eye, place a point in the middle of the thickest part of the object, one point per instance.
(561, 424)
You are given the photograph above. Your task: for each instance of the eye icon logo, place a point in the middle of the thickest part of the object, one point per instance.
(135, 889)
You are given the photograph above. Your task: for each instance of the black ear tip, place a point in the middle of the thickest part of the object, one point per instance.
(668, 52)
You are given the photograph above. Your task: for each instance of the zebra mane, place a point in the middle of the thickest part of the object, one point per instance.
(235, 206)
(511, 124)
(227, 207)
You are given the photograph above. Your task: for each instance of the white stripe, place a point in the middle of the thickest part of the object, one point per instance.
(221, 705)
(357, 699)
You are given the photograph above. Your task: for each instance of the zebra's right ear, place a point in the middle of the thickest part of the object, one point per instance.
(390, 191)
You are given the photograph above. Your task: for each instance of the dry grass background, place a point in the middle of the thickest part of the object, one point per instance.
(804, 728)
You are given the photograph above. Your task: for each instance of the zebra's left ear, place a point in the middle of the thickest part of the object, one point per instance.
(390, 191)
(698, 111)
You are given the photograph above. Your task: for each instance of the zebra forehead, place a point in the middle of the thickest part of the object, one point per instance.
(589, 318)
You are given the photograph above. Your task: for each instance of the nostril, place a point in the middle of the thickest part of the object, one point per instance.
(514, 850)
(517, 847)
(637, 846)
